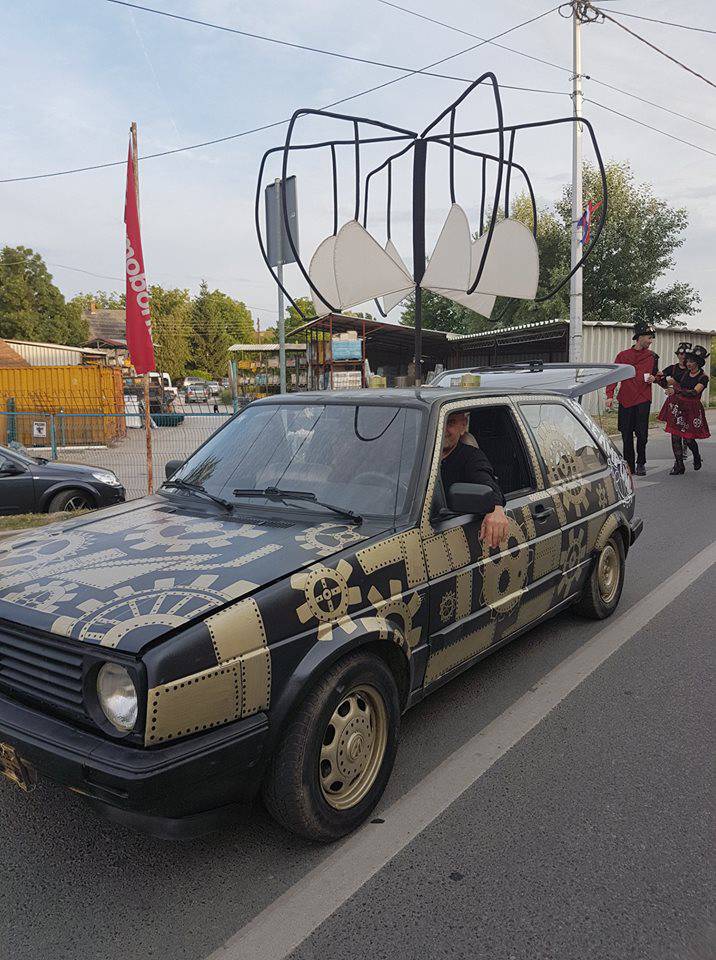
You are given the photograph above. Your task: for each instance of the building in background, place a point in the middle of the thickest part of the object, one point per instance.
(52, 354)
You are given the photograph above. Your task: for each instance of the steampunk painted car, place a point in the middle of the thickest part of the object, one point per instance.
(262, 622)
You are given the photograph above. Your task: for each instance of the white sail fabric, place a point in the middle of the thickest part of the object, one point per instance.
(481, 303)
(393, 299)
(449, 266)
(363, 270)
(512, 265)
(322, 273)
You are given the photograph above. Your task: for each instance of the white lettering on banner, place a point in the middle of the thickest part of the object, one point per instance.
(138, 283)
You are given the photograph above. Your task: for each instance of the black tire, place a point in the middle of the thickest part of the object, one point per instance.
(601, 593)
(69, 501)
(295, 787)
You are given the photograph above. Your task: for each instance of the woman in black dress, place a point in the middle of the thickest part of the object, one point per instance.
(667, 378)
(684, 412)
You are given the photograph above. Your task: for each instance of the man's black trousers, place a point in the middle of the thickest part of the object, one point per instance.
(634, 421)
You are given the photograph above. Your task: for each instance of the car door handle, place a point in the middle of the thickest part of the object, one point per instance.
(542, 512)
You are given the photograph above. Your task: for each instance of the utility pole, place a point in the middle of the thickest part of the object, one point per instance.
(575, 284)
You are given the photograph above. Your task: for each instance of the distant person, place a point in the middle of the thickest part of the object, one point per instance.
(461, 463)
(669, 376)
(684, 412)
(634, 397)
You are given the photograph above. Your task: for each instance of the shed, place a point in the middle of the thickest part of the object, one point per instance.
(38, 354)
(389, 349)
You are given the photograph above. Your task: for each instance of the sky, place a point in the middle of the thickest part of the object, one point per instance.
(75, 74)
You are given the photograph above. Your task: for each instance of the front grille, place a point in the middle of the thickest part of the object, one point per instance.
(41, 671)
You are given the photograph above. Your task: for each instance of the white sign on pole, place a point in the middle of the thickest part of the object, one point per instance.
(39, 429)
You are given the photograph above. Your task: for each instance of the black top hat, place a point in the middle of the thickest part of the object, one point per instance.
(683, 347)
(643, 329)
(698, 354)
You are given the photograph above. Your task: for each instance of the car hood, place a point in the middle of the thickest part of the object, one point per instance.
(55, 468)
(132, 573)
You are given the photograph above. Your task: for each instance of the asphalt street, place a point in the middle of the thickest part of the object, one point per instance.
(589, 838)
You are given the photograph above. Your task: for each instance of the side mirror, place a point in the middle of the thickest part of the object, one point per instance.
(172, 466)
(475, 498)
(11, 470)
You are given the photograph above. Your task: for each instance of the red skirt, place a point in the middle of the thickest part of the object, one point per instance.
(685, 417)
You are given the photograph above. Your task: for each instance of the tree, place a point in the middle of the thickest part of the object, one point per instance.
(294, 318)
(623, 277)
(235, 316)
(171, 319)
(31, 306)
(208, 340)
(101, 300)
(439, 313)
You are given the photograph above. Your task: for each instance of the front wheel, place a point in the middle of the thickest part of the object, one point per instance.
(601, 593)
(335, 759)
(68, 501)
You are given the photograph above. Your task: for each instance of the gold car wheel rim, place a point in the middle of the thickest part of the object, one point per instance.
(608, 573)
(353, 748)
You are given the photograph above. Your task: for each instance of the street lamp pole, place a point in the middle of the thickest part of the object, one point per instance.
(575, 284)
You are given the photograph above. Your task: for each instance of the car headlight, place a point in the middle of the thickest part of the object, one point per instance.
(117, 696)
(106, 476)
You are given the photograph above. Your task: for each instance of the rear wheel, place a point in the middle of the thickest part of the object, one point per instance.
(69, 501)
(335, 758)
(601, 593)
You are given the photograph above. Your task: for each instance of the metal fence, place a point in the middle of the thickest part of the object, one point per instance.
(114, 442)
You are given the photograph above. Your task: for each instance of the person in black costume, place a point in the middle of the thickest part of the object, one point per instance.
(462, 463)
(667, 378)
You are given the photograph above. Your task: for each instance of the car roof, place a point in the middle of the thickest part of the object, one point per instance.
(558, 379)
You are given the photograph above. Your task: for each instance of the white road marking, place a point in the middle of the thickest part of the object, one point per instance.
(282, 926)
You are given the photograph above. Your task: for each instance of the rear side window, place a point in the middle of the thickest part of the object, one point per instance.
(568, 449)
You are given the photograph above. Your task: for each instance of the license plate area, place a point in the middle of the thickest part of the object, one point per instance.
(15, 769)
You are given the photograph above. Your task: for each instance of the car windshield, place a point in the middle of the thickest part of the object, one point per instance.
(23, 456)
(360, 457)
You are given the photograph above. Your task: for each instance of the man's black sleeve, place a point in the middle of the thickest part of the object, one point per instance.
(478, 469)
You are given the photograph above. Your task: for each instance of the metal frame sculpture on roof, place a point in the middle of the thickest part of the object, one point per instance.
(350, 267)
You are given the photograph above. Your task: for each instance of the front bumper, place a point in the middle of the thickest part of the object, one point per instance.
(175, 790)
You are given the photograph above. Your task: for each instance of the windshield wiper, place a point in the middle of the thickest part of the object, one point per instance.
(198, 489)
(273, 493)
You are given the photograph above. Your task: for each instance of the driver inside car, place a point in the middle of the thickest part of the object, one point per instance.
(463, 463)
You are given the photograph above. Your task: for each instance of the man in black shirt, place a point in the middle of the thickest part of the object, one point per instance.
(462, 463)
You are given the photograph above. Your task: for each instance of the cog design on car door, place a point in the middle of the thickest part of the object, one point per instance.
(574, 553)
(504, 575)
(328, 598)
(396, 606)
(575, 497)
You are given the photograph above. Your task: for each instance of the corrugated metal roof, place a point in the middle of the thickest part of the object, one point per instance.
(265, 347)
(541, 324)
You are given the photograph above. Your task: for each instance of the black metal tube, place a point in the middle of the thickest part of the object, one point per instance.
(335, 189)
(509, 174)
(420, 155)
(357, 154)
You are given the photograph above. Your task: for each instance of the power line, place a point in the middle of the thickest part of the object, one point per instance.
(285, 43)
(649, 126)
(652, 45)
(279, 123)
(548, 63)
(667, 23)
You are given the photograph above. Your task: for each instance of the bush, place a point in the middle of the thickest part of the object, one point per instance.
(226, 397)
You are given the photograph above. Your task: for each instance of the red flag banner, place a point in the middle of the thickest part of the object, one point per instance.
(139, 323)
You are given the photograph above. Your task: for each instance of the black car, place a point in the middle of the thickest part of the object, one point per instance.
(35, 485)
(305, 577)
